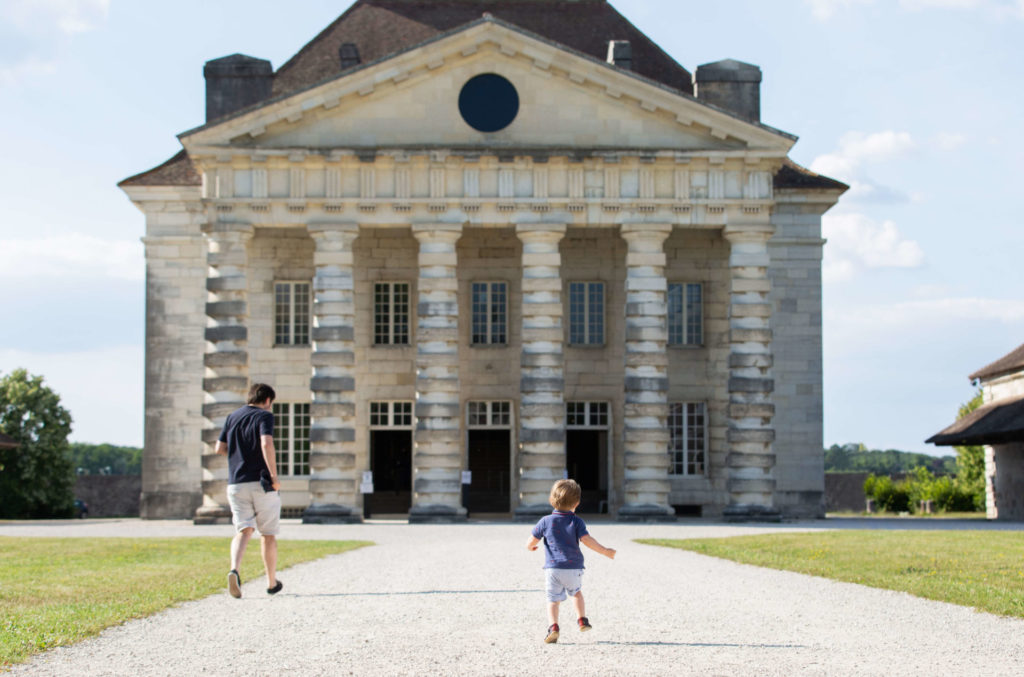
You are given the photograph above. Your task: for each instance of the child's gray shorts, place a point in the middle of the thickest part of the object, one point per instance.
(562, 582)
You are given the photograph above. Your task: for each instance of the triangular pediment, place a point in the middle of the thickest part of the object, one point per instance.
(410, 100)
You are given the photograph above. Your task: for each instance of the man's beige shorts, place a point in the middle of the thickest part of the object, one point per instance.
(251, 507)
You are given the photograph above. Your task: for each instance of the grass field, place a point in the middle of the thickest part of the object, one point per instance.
(57, 591)
(979, 569)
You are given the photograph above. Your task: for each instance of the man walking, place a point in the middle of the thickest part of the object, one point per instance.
(253, 487)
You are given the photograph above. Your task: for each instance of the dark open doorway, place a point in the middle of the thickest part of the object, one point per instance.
(489, 461)
(586, 453)
(391, 463)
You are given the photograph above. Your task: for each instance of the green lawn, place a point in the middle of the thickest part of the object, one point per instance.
(980, 569)
(57, 591)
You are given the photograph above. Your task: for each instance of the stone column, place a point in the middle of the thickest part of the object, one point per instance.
(750, 434)
(226, 378)
(332, 459)
(542, 409)
(437, 444)
(646, 376)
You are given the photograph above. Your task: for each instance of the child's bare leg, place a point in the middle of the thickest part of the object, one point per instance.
(553, 613)
(577, 602)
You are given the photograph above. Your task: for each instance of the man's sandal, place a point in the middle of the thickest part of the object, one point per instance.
(234, 584)
(276, 589)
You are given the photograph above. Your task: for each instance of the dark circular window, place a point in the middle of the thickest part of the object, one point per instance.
(488, 103)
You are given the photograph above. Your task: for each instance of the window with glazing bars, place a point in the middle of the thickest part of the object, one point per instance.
(586, 313)
(291, 438)
(586, 414)
(391, 313)
(490, 306)
(685, 314)
(291, 313)
(687, 425)
(489, 414)
(390, 414)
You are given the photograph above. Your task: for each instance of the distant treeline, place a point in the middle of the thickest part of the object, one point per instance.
(858, 458)
(105, 459)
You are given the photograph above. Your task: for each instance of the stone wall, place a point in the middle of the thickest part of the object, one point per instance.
(110, 495)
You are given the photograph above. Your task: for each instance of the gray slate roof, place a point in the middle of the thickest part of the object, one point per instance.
(998, 422)
(1008, 363)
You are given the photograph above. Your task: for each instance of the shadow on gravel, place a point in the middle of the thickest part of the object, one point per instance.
(416, 592)
(706, 644)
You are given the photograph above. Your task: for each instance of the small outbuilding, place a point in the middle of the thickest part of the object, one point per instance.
(998, 425)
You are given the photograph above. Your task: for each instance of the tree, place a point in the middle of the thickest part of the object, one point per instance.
(37, 478)
(970, 460)
(105, 459)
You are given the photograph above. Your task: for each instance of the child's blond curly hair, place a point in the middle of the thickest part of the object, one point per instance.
(565, 495)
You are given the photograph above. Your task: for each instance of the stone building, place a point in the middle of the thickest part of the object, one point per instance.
(998, 425)
(508, 237)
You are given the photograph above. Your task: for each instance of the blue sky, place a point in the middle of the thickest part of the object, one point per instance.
(916, 103)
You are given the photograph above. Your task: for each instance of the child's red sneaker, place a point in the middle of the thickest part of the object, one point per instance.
(585, 624)
(552, 634)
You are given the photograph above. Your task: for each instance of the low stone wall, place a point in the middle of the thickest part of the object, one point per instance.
(844, 491)
(110, 495)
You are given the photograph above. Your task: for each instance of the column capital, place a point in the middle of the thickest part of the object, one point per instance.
(656, 232)
(748, 232)
(432, 232)
(333, 231)
(221, 229)
(541, 232)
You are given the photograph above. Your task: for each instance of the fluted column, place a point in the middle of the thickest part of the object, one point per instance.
(646, 375)
(750, 435)
(226, 377)
(437, 445)
(332, 434)
(542, 385)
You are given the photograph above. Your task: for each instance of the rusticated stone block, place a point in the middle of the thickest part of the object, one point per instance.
(750, 486)
(756, 410)
(333, 334)
(227, 358)
(745, 360)
(542, 385)
(334, 384)
(323, 459)
(737, 460)
(332, 434)
(750, 335)
(749, 435)
(751, 385)
(641, 383)
(225, 308)
(216, 384)
(528, 435)
(228, 333)
(214, 410)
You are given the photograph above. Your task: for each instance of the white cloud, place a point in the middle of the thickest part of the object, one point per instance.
(103, 389)
(72, 256)
(857, 149)
(927, 315)
(41, 17)
(824, 10)
(34, 34)
(857, 242)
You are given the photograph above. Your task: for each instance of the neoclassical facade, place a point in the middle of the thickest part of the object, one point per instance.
(475, 253)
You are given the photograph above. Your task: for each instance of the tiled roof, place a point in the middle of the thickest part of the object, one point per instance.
(1004, 365)
(178, 171)
(379, 28)
(997, 422)
(793, 175)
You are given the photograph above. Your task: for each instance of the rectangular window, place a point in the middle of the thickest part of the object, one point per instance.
(685, 314)
(390, 414)
(586, 313)
(490, 304)
(687, 424)
(391, 313)
(291, 313)
(489, 414)
(291, 438)
(586, 414)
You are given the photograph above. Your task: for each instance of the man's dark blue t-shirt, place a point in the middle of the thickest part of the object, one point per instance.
(242, 431)
(561, 532)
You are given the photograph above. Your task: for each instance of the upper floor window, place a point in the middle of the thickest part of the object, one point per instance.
(490, 313)
(391, 414)
(391, 313)
(586, 313)
(291, 313)
(291, 438)
(489, 414)
(687, 425)
(586, 414)
(685, 314)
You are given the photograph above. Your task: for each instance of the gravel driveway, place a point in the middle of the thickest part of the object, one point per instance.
(468, 600)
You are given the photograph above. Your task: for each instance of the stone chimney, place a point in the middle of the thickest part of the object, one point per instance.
(620, 53)
(732, 85)
(349, 54)
(235, 82)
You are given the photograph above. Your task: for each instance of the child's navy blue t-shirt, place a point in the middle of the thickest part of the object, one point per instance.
(561, 532)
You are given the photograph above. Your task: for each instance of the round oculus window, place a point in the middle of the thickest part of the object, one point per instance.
(488, 103)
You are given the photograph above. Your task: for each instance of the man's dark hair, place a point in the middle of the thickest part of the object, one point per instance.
(259, 392)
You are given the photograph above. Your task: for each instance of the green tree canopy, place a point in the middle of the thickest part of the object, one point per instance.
(106, 459)
(970, 460)
(36, 479)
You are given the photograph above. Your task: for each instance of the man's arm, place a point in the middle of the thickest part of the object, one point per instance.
(221, 448)
(270, 457)
(591, 543)
(532, 543)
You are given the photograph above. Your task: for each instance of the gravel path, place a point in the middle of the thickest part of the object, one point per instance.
(467, 600)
